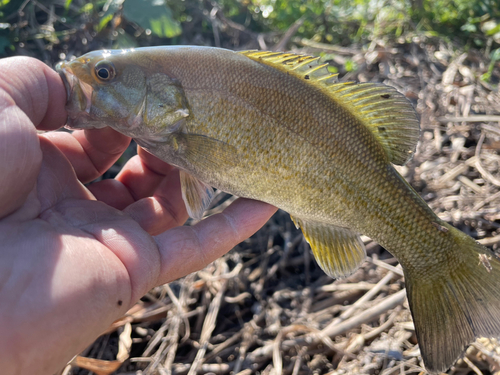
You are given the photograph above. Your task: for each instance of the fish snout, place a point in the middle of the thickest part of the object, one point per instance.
(78, 92)
(67, 77)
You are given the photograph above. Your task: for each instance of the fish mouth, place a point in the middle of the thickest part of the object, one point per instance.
(78, 93)
(62, 69)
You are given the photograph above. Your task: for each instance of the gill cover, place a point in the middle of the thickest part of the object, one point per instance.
(153, 100)
(166, 102)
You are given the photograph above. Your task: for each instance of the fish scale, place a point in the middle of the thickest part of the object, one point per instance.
(279, 128)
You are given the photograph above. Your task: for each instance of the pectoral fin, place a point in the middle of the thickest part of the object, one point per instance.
(338, 251)
(206, 152)
(196, 195)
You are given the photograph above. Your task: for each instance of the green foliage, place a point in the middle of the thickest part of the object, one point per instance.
(495, 57)
(359, 21)
(5, 42)
(336, 21)
(124, 23)
(110, 9)
(463, 19)
(116, 23)
(152, 15)
(6, 7)
(350, 65)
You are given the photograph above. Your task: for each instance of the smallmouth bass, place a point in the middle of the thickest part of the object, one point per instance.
(276, 127)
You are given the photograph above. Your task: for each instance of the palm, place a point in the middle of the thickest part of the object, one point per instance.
(62, 247)
(74, 259)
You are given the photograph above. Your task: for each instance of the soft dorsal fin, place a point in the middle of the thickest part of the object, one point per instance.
(382, 109)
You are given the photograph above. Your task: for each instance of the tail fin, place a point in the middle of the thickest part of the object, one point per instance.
(458, 306)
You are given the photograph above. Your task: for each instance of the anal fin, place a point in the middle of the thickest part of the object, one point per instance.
(338, 251)
(196, 195)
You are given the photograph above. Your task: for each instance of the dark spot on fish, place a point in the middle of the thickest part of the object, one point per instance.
(306, 76)
(385, 96)
(120, 302)
(440, 227)
(160, 105)
(382, 129)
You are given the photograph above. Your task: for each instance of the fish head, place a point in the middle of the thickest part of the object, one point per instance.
(123, 90)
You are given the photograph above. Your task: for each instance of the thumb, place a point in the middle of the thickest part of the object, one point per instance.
(25, 87)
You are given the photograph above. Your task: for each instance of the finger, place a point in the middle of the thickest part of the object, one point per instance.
(30, 94)
(21, 156)
(135, 249)
(91, 152)
(36, 89)
(112, 192)
(139, 178)
(164, 210)
(143, 174)
(57, 180)
(190, 248)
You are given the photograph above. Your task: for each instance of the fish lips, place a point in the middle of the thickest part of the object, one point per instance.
(78, 96)
(63, 71)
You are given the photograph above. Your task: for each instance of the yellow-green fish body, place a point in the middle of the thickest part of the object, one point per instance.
(277, 128)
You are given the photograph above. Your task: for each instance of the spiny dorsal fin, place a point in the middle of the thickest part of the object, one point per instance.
(302, 66)
(338, 251)
(382, 109)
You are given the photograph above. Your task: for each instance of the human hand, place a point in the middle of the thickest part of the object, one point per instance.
(72, 258)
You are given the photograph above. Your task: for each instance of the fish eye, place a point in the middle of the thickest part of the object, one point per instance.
(104, 70)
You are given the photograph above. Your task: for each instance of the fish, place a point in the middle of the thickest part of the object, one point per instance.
(280, 128)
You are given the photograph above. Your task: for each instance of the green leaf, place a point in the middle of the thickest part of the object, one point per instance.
(350, 65)
(87, 8)
(124, 40)
(104, 21)
(494, 30)
(110, 9)
(152, 15)
(332, 69)
(469, 28)
(495, 55)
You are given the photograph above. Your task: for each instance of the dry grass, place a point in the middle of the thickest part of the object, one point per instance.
(266, 307)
